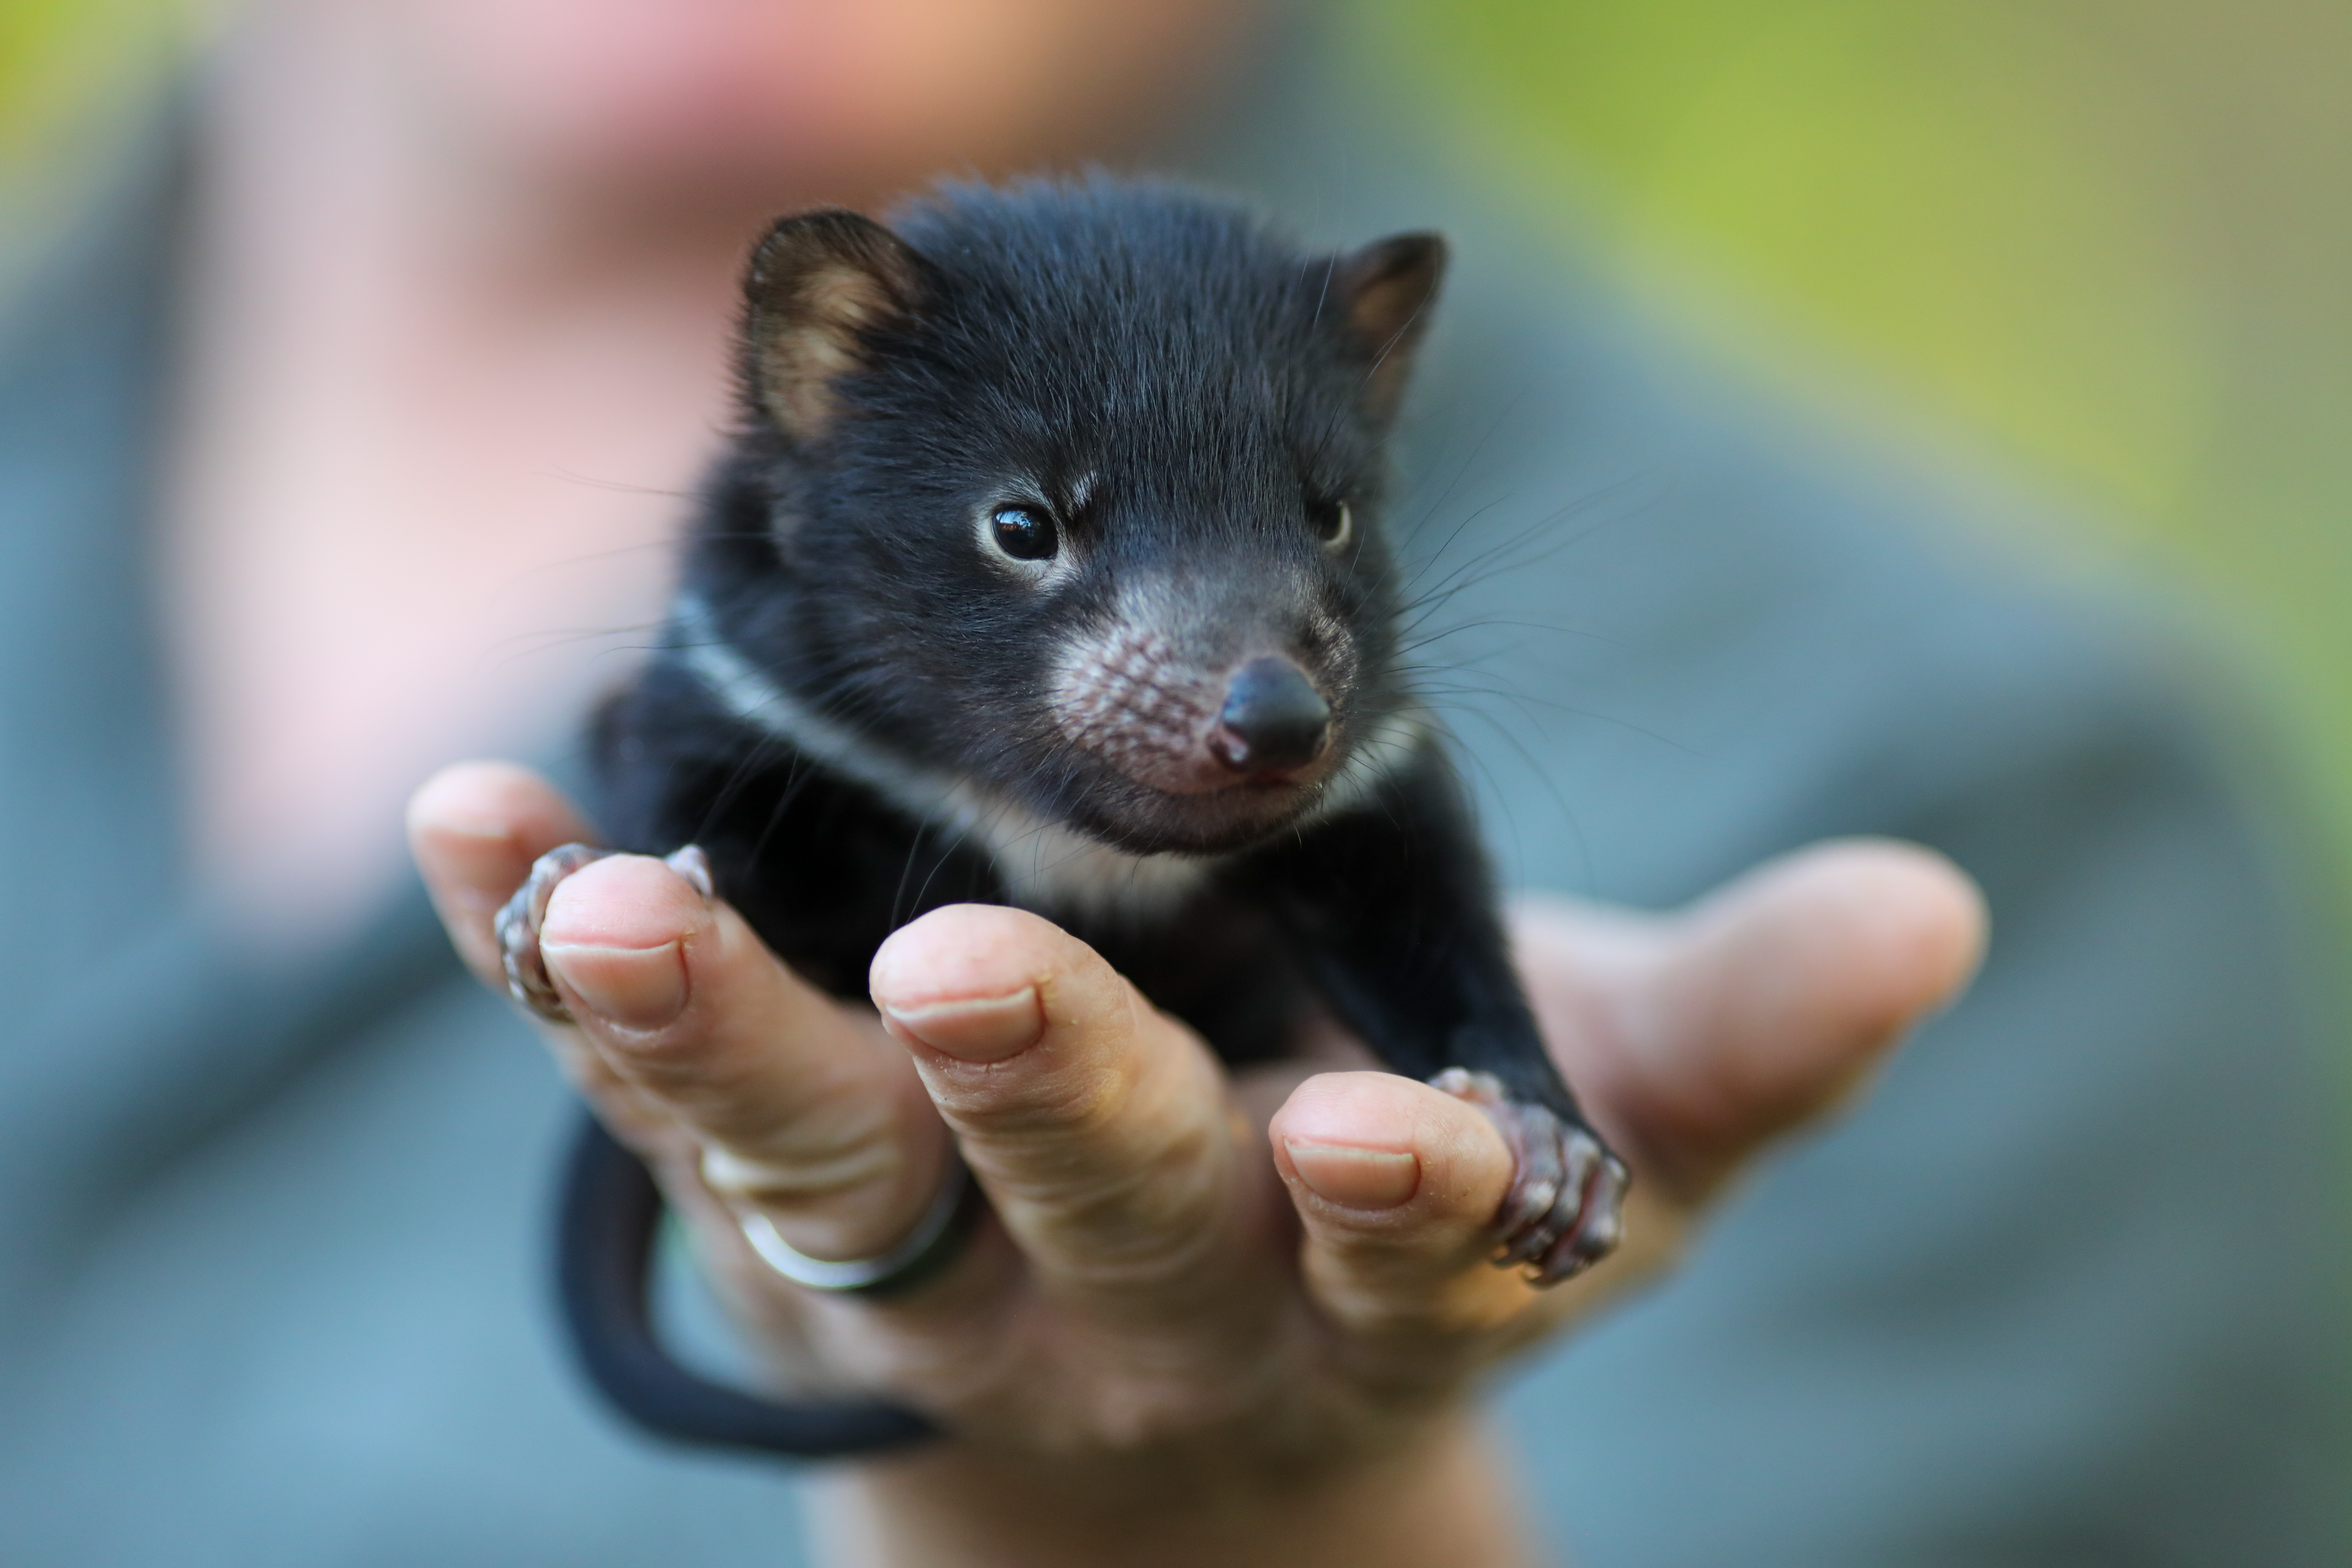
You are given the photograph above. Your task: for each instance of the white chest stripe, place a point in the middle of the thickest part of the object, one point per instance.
(1045, 865)
(746, 693)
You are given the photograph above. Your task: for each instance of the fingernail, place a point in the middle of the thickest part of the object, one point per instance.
(637, 987)
(1355, 1178)
(975, 1028)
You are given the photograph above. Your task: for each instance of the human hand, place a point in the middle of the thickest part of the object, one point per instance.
(1217, 1315)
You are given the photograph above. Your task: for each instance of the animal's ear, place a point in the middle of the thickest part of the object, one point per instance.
(1385, 292)
(818, 285)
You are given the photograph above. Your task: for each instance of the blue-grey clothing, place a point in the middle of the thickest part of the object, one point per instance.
(2066, 1291)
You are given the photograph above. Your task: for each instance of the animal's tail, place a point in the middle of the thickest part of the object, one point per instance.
(604, 1244)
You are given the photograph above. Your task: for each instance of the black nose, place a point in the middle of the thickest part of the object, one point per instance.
(1274, 719)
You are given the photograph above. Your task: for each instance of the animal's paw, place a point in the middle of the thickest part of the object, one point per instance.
(1565, 1211)
(518, 923)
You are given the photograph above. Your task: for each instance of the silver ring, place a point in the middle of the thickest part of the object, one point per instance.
(937, 1238)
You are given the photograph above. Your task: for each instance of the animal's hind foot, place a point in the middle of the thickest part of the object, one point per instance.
(1565, 1209)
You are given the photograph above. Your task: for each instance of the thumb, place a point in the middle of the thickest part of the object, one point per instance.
(1705, 1034)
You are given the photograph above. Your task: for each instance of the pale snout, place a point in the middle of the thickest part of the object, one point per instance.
(1268, 722)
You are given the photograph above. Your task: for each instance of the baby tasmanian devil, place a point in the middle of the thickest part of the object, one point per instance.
(1046, 569)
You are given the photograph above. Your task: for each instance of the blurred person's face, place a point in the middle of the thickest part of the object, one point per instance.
(764, 100)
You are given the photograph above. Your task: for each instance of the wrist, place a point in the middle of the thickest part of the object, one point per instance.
(1444, 1496)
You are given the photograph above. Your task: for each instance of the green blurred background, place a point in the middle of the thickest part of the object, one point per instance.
(2108, 242)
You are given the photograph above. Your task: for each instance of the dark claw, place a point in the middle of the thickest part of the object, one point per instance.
(518, 923)
(1565, 1209)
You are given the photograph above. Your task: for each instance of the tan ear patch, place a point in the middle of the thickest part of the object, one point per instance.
(819, 285)
(815, 342)
(1390, 286)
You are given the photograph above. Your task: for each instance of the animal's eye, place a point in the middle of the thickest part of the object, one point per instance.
(1024, 533)
(1333, 522)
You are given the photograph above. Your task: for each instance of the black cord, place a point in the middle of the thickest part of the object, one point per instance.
(605, 1247)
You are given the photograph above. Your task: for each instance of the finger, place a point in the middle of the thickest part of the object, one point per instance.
(1697, 1038)
(1101, 1129)
(1397, 1188)
(475, 829)
(794, 1106)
